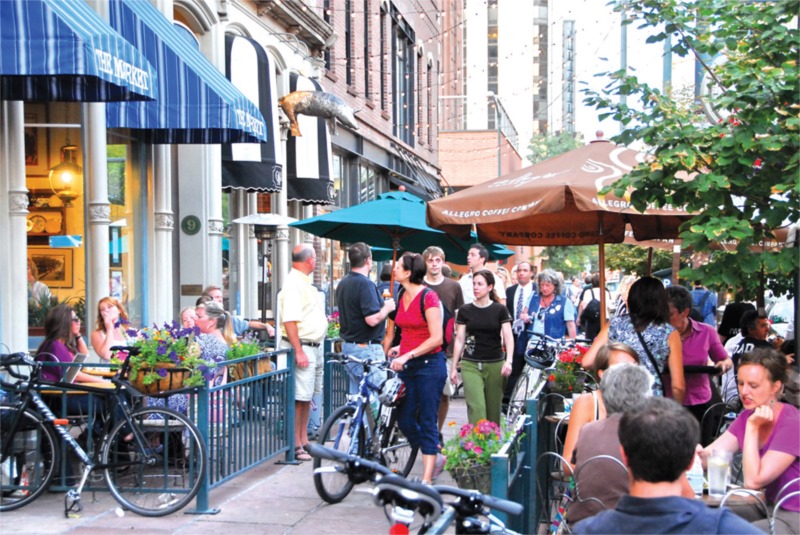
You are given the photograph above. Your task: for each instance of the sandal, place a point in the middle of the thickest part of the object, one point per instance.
(301, 454)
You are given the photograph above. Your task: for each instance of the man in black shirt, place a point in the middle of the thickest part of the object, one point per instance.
(362, 314)
(755, 329)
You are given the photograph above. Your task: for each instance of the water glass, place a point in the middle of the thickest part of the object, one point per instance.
(719, 472)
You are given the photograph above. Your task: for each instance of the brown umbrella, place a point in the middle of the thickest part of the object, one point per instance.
(557, 202)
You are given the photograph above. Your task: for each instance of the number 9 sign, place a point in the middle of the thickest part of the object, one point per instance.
(190, 225)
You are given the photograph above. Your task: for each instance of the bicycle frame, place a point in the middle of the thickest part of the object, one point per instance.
(363, 408)
(29, 397)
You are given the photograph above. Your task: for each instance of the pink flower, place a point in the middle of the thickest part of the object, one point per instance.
(469, 445)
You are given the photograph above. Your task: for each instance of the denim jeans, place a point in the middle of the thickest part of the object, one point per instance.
(373, 352)
(417, 414)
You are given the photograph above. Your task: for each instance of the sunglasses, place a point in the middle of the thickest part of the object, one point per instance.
(76, 320)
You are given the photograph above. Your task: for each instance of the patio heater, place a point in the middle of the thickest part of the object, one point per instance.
(265, 228)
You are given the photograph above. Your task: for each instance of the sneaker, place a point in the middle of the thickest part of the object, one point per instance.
(438, 466)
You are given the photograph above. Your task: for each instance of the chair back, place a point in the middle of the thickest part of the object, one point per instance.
(591, 477)
(556, 493)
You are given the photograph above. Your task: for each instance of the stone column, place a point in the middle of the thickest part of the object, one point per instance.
(14, 308)
(163, 304)
(98, 209)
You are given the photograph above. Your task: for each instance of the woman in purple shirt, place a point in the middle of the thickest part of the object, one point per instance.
(768, 434)
(700, 342)
(62, 341)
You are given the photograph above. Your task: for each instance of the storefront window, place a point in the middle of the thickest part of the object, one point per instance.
(55, 262)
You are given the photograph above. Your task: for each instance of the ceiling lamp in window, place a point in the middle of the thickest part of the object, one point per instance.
(66, 178)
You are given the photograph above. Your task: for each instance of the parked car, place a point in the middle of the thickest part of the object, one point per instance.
(780, 315)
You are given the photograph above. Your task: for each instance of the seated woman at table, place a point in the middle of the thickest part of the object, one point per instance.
(590, 407)
(624, 387)
(109, 328)
(767, 434)
(62, 341)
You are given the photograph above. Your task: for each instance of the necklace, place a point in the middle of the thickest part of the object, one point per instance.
(546, 301)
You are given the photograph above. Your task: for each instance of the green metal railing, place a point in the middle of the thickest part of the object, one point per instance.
(244, 423)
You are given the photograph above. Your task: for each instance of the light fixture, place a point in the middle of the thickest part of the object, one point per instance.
(66, 178)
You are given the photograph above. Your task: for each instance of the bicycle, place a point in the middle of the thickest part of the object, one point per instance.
(353, 429)
(541, 354)
(403, 499)
(153, 459)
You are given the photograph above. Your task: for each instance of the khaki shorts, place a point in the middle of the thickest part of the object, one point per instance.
(449, 386)
(308, 381)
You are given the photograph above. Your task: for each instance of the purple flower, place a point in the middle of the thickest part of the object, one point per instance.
(161, 372)
(174, 357)
(207, 372)
(162, 348)
(133, 333)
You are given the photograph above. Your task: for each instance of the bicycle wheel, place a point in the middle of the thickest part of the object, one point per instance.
(161, 474)
(516, 405)
(397, 454)
(30, 465)
(337, 432)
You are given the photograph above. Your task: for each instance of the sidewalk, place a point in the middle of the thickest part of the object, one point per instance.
(271, 499)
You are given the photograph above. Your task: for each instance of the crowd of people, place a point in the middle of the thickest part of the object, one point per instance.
(440, 335)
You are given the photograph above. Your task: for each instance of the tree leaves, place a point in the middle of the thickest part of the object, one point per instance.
(739, 174)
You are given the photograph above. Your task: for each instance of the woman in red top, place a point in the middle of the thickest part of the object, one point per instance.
(419, 360)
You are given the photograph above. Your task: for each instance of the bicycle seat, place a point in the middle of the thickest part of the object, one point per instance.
(401, 492)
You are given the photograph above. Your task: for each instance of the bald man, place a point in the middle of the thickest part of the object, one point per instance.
(303, 325)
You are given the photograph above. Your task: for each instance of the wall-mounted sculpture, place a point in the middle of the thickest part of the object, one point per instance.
(317, 104)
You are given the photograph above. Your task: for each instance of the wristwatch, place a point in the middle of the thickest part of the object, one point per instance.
(411, 353)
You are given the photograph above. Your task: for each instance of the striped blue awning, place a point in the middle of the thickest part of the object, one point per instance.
(62, 51)
(196, 103)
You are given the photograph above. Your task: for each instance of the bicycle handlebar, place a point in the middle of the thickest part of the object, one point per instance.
(343, 358)
(131, 350)
(16, 359)
(353, 466)
(476, 499)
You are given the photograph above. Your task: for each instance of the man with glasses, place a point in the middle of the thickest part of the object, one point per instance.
(518, 297)
(362, 315)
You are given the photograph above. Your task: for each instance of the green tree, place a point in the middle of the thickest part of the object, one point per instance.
(738, 174)
(571, 260)
(632, 259)
(544, 146)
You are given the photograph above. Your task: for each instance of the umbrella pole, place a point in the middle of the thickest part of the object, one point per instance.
(602, 252)
(395, 246)
(649, 261)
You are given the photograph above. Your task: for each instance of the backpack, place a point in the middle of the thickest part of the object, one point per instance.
(697, 310)
(591, 312)
(448, 320)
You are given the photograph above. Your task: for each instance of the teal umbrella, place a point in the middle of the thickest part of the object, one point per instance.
(394, 221)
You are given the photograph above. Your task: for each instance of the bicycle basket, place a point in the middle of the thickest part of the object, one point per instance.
(392, 391)
(540, 355)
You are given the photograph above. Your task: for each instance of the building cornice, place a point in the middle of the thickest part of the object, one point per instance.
(300, 20)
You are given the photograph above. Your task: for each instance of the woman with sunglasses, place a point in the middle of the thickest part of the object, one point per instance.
(62, 341)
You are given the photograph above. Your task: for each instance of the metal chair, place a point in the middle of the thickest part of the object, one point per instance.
(746, 492)
(583, 496)
(559, 444)
(557, 492)
(784, 494)
(716, 420)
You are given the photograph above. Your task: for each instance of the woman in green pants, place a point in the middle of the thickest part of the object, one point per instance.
(479, 350)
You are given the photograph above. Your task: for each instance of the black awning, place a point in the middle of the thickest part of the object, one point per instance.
(252, 166)
(308, 157)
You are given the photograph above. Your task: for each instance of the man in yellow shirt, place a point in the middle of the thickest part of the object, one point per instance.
(303, 324)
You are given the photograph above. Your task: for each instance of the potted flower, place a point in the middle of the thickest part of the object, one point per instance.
(247, 346)
(564, 378)
(166, 358)
(333, 325)
(469, 454)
